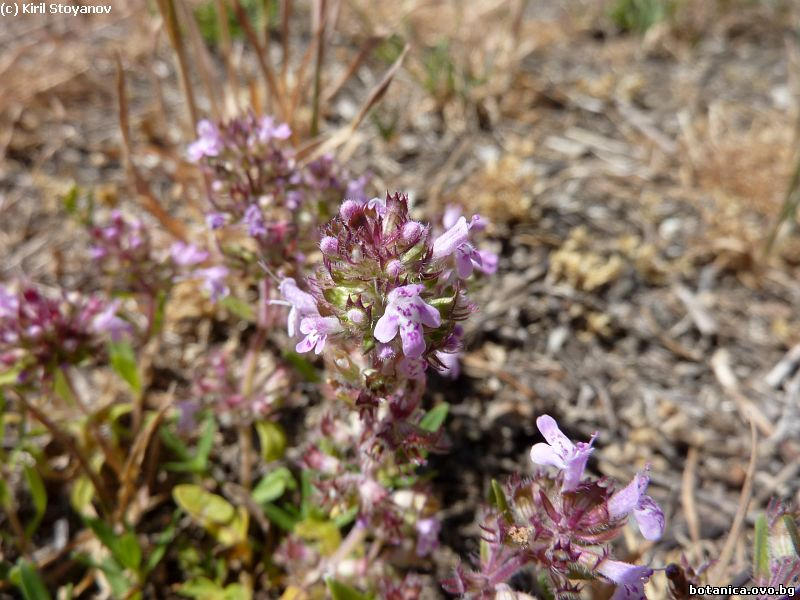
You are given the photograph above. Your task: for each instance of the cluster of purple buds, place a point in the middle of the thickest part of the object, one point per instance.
(39, 332)
(259, 187)
(563, 525)
(217, 385)
(122, 249)
(386, 287)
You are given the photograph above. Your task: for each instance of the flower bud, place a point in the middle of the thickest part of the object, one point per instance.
(329, 245)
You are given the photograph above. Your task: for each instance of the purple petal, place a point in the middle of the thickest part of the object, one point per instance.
(187, 255)
(305, 344)
(549, 429)
(302, 301)
(413, 368)
(386, 327)
(543, 454)
(451, 215)
(623, 502)
(464, 264)
(428, 314)
(576, 466)
(449, 360)
(282, 132)
(451, 239)
(413, 340)
(488, 262)
(650, 518)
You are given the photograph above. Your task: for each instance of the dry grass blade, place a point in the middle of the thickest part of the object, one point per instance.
(143, 191)
(687, 495)
(204, 64)
(67, 441)
(726, 554)
(262, 56)
(167, 9)
(133, 465)
(320, 146)
(721, 365)
(366, 49)
(319, 35)
(380, 89)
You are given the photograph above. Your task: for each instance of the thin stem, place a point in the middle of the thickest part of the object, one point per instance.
(245, 432)
(111, 458)
(72, 447)
(320, 35)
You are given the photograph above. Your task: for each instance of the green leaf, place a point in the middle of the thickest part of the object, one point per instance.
(500, 501)
(324, 532)
(273, 440)
(128, 552)
(302, 366)
(103, 532)
(28, 580)
(341, 591)
(346, 517)
(760, 548)
(306, 492)
(158, 314)
(62, 388)
(123, 361)
(203, 506)
(204, 588)
(120, 585)
(280, 517)
(273, 485)
(81, 495)
(435, 417)
(794, 535)
(163, 540)
(10, 376)
(124, 548)
(198, 463)
(240, 308)
(70, 200)
(39, 496)
(5, 496)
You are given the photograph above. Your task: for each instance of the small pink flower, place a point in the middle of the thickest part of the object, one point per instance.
(208, 143)
(215, 220)
(630, 579)
(447, 243)
(413, 368)
(267, 130)
(302, 303)
(187, 255)
(214, 281)
(107, 321)
(427, 535)
(254, 219)
(407, 313)
(317, 330)
(560, 452)
(632, 499)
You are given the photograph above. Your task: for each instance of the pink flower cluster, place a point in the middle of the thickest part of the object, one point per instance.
(388, 286)
(563, 525)
(39, 333)
(258, 185)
